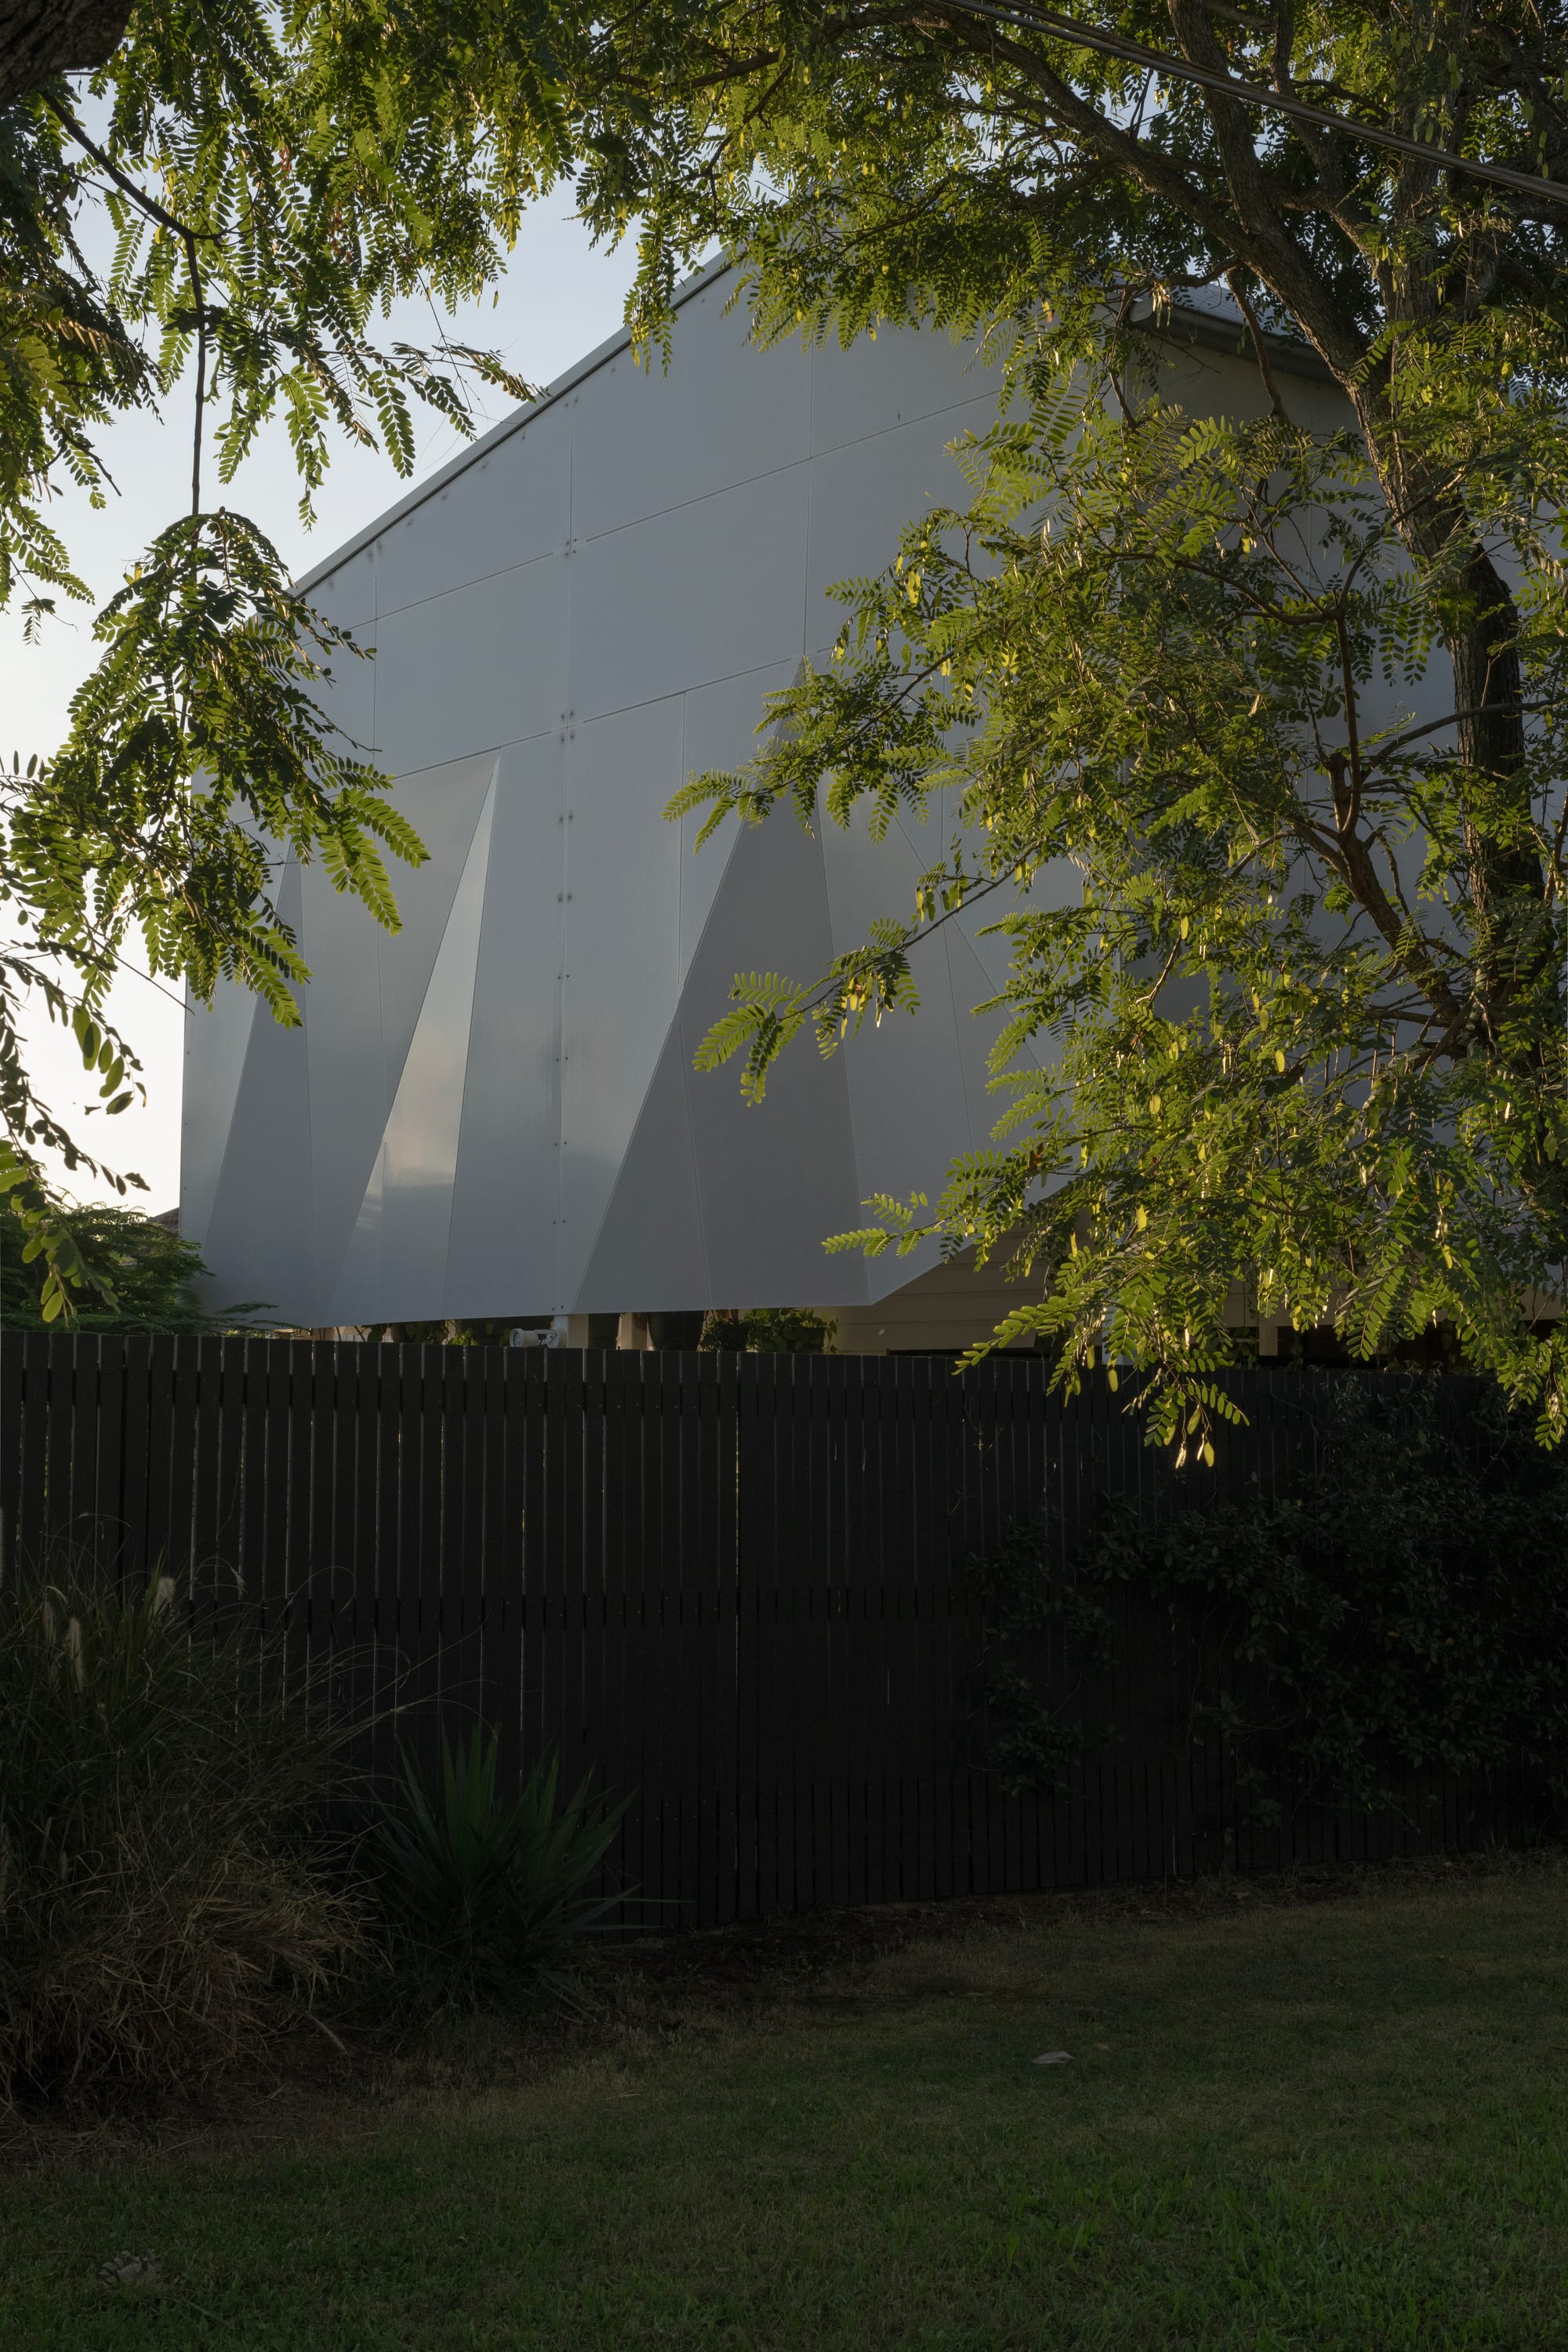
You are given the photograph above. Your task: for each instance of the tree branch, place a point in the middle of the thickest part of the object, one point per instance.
(1233, 279)
(127, 186)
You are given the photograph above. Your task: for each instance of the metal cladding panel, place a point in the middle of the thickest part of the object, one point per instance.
(346, 696)
(721, 724)
(649, 1253)
(395, 1264)
(864, 494)
(906, 1084)
(346, 1054)
(257, 1237)
(217, 1038)
(723, 412)
(697, 594)
(621, 970)
(775, 1179)
(512, 506)
(443, 805)
(507, 1195)
(907, 372)
(347, 595)
(366, 993)
(468, 671)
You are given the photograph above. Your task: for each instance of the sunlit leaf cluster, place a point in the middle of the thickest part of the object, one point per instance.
(1262, 1057)
(217, 224)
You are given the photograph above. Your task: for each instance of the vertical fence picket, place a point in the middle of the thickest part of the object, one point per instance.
(656, 1872)
(682, 1403)
(59, 1433)
(559, 1572)
(571, 1453)
(617, 1747)
(757, 1648)
(80, 1463)
(32, 1532)
(457, 1395)
(513, 1597)
(206, 1450)
(12, 1409)
(532, 1397)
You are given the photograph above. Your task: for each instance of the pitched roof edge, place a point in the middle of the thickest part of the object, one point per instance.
(1180, 324)
(590, 364)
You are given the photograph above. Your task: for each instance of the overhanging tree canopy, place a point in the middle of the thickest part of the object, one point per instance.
(960, 164)
(218, 215)
(1310, 1008)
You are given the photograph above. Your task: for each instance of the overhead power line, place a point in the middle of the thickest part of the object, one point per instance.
(1253, 93)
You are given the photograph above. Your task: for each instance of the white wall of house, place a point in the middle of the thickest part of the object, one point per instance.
(493, 1111)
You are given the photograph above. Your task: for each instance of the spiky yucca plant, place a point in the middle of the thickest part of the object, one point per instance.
(488, 1888)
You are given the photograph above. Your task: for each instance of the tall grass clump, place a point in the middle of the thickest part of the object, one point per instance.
(162, 1914)
(486, 1888)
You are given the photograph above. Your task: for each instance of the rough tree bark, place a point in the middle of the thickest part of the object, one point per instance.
(40, 39)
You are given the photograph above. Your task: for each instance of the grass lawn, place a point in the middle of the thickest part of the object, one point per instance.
(1282, 2124)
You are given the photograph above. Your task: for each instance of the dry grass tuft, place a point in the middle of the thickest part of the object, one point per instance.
(162, 1915)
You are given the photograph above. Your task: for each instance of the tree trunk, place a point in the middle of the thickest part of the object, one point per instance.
(42, 38)
(1508, 889)
(1512, 949)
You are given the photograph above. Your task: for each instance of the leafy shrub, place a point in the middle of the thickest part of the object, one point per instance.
(770, 1331)
(136, 1274)
(1403, 1600)
(160, 1915)
(487, 1889)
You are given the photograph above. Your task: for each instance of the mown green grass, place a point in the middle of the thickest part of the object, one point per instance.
(1283, 2127)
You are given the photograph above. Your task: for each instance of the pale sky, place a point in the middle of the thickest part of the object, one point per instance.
(560, 298)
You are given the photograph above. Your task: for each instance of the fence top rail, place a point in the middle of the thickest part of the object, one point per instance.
(1007, 1371)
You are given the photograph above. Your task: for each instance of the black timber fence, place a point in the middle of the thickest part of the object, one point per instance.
(739, 1586)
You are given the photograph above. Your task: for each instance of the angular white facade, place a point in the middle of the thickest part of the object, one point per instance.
(493, 1110)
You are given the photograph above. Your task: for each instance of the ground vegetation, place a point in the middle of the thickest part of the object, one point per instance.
(1328, 2124)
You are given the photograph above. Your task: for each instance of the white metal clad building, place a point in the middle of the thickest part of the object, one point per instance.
(493, 1111)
